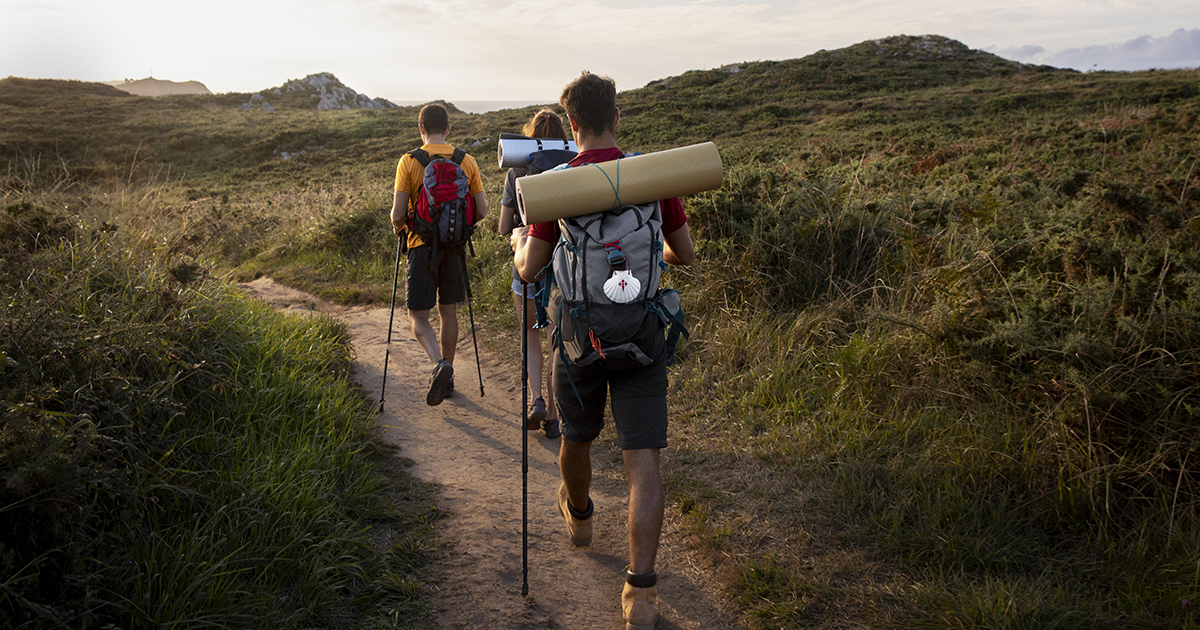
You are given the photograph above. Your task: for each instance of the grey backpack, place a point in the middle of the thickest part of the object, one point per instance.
(606, 299)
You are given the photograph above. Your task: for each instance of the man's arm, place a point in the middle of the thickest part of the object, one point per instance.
(475, 183)
(679, 249)
(507, 220)
(480, 205)
(399, 212)
(530, 254)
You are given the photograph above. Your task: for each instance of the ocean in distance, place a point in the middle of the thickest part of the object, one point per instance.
(479, 107)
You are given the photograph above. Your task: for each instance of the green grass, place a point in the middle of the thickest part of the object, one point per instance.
(944, 316)
(177, 454)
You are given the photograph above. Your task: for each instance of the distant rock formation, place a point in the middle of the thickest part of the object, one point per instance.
(257, 101)
(323, 90)
(159, 87)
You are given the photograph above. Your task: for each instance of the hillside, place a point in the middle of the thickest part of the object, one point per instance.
(945, 316)
(895, 76)
(159, 87)
(25, 93)
(894, 63)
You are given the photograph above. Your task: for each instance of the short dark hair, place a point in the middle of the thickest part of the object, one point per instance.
(434, 118)
(591, 101)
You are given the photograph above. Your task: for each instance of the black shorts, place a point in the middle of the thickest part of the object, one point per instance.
(441, 281)
(639, 402)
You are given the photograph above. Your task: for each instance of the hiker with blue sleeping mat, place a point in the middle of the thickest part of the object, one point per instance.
(544, 125)
(439, 199)
(612, 318)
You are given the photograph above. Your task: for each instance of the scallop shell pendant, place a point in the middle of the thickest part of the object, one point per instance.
(622, 287)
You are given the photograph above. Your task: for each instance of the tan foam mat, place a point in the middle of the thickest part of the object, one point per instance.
(638, 179)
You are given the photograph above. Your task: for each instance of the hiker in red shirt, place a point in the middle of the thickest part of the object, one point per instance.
(639, 395)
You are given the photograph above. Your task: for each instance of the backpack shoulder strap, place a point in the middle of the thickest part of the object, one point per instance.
(458, 156)
(420, 155)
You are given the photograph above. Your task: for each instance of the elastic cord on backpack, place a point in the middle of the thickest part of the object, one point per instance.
(616, 188)
(596, 343)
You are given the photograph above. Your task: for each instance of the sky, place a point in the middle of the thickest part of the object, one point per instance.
(526, 50)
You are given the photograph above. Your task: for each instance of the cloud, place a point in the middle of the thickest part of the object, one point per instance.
(544, 45)
(1180, 49)
(527, 48)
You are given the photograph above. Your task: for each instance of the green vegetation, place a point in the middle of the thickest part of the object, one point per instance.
(174, 453)
(946, 316)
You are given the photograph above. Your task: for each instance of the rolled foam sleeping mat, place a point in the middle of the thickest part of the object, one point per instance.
(513, 151)
(637, 179)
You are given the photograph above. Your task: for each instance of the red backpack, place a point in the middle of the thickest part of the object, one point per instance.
(445, 208)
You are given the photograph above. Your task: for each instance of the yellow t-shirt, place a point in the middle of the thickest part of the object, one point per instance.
(409, 174)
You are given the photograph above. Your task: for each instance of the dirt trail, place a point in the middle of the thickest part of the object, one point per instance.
(470, 445)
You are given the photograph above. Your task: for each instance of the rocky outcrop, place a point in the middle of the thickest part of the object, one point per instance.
(321, 91)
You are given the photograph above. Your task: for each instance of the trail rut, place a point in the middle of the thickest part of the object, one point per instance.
(470, 446)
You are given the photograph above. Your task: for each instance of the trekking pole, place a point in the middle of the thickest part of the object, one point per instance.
(391, 315)
(524, 441)
(471, 311)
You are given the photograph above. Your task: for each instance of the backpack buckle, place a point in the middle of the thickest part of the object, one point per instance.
(616, 258)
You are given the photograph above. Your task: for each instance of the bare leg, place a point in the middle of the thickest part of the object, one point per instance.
(645, 508)
(549, 370)
(575, 464)
(449, 316)
(533, 349)
(423, 331)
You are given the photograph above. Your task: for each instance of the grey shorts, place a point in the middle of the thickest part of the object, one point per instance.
(639, 402)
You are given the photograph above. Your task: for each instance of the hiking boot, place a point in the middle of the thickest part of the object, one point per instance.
(537, 414)
(579, 526)
(442, 375)
(550, 427)
(639, 604)
(450, 389)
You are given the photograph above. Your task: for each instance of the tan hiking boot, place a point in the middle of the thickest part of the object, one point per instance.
(579, 529)
(639, 606)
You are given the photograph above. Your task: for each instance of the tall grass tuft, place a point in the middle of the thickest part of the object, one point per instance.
(173, 453)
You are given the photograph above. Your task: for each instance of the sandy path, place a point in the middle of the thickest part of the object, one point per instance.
(470, 446)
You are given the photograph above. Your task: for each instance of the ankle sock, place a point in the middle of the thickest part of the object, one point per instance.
(580, 516)
(641, 580)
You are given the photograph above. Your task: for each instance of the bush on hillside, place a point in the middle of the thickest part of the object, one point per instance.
(1091, 314)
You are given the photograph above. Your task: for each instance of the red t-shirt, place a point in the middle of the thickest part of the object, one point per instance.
(673, 217)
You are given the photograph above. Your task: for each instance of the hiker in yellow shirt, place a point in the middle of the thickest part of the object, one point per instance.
(436, 270)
